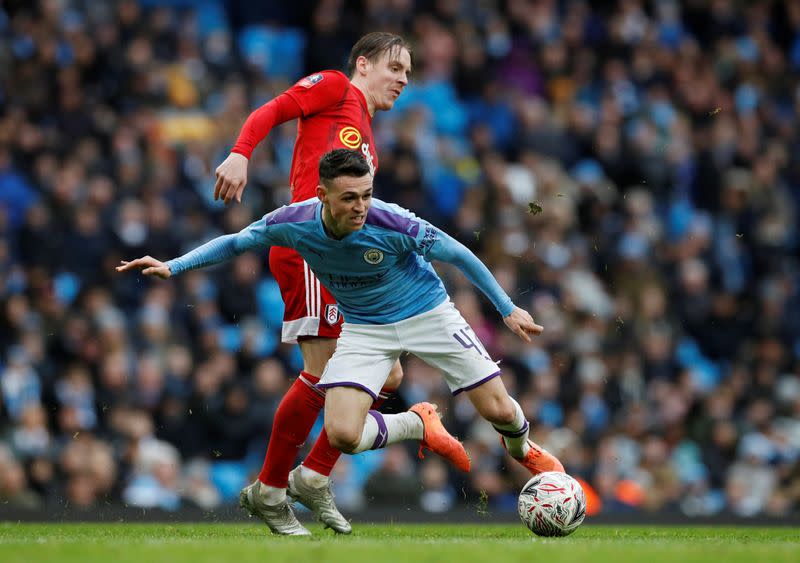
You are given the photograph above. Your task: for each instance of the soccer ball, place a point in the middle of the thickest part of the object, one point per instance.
(552, 504)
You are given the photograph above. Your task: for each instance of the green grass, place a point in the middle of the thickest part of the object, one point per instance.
(240, 543)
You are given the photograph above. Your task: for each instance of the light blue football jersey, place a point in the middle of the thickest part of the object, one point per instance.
(379, 274)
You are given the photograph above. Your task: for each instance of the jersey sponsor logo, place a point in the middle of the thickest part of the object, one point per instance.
(331, 314)
(373, 256)
(309, 81)
(343, 281)
(428, 239)
(350, 137)
(368, 157)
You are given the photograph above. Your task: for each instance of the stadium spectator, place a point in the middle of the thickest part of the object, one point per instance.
(657, 143)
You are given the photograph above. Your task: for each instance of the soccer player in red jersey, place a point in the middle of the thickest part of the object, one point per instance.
(334, 111)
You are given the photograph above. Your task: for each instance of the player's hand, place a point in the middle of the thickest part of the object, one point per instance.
(521, 323)
(231, 178)
(148, 265)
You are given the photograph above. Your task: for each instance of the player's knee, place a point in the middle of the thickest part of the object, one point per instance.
(506, 411)
(343, 437)
(499, 410)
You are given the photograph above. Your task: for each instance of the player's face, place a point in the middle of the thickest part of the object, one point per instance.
(387, 76)
(347, 200)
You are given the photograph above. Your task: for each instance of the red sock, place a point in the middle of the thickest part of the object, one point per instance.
(293, 421)
(323, 456)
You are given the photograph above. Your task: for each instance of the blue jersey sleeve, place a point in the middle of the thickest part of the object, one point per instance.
(220, 249)
(434, 244)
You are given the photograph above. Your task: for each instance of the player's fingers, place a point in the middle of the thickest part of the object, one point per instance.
(218, 186)
(535, 329)
(223, 188)
(154, 271)
(228, 191)
(239, 192)
(522, 334)
(125, 266)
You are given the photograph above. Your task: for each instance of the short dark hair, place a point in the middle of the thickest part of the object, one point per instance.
(372, 46)
(342, 162)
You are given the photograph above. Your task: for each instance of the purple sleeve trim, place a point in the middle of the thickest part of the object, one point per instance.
(348, 384)
(292, 214)
(393, 222)
(477, 384)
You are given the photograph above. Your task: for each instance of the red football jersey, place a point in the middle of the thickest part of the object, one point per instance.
(335, 115)
(331, 114)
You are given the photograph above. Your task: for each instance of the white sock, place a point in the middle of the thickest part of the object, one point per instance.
(313, 478)
(380, 430)
(515, 435)
(270, 495)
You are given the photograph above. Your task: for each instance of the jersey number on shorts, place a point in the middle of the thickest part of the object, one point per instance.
(463, 338)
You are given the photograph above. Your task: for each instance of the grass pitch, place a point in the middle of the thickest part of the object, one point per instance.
(240, 543)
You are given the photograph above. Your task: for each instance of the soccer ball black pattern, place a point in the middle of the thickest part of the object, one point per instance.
(552, 504)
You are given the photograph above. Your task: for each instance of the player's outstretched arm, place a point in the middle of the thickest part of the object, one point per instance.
(448, 249)
(522, 324)
(214, 251)
(148, 265)
(231, 178)
(232, 173)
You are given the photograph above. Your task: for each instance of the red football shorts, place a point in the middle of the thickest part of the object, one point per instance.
(310, 308)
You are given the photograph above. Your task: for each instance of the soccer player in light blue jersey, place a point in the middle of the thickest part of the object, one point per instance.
(375, 257)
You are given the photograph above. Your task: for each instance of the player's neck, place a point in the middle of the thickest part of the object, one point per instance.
(330, 225)
(365, 92)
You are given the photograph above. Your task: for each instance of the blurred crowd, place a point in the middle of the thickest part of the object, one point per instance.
(628, 170)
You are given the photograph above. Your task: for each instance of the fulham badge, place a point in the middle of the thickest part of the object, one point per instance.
(331, 314)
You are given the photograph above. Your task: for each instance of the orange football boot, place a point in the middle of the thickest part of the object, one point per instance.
(437, 439)
(537, 460)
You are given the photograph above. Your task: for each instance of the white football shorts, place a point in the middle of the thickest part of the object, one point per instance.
(440, 337)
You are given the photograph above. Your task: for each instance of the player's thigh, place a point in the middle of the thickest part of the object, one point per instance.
(443, 339)
(316, 353)
(363, 358)
(492, 401)
(395, 377)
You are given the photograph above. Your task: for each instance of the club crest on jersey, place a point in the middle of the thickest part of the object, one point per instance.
(373, 256)
(309, 81)
(331, 314)
(350, 137)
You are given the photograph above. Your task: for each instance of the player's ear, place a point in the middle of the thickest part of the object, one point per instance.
(321, 192)
(362, 64)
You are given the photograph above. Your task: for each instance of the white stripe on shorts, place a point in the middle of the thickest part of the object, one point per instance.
(319, 296)
(312, 291)
(307, 283)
